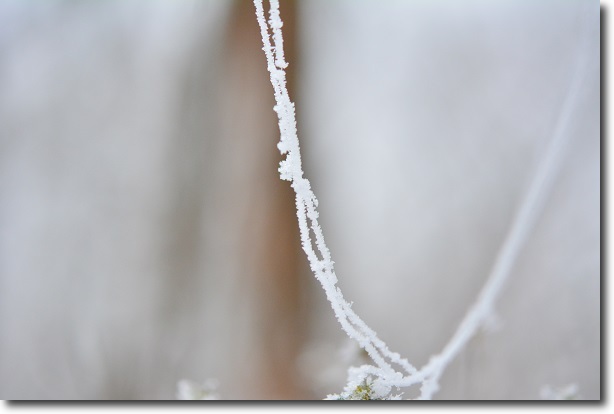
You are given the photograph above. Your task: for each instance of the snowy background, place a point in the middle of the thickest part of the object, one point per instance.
(145, 236)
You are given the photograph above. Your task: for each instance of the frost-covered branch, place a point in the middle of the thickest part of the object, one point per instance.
(306, 203)
(530, 208)
(377, 381)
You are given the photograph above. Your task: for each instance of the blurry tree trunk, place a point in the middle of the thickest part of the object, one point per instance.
(271, 268)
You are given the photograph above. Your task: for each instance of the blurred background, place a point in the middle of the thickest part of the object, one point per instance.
(145, 236)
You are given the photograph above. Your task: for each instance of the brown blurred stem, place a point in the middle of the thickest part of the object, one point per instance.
(272, 267)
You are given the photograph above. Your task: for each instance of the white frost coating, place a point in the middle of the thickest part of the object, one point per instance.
(383, 377)
(291, 169)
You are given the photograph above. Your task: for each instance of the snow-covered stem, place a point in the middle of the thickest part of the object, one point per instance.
(383, 376)
(306, 203)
